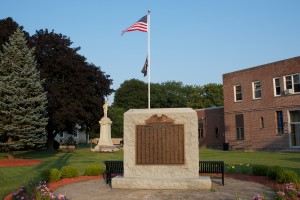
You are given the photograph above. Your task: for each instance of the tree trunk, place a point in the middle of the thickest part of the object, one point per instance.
(9, 148)
(50, 141)
(10, 155)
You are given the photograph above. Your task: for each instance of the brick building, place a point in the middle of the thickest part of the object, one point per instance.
(262, 106)
(211, 132)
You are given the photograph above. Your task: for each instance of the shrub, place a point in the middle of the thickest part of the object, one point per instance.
(51, 175)
(273, 171)
(259, 170)
(93, 170)
(238, 168)
(45, 175)
(55, 175)
(69, 172)
(287, 176)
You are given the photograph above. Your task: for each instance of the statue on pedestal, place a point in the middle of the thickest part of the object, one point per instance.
(105, 143)
(105, 108)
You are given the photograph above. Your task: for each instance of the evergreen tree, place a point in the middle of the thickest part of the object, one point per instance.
(23, 100)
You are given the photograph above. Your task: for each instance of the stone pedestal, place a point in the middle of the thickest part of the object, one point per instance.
(105, 143)
(164, 169)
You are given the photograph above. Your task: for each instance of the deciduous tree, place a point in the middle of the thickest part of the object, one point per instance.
(132, 94)
(76, 89)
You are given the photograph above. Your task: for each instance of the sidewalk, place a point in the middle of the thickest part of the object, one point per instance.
(98, 190)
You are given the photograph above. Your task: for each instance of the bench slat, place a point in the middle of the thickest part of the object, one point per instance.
(212, 167)
(113, 166)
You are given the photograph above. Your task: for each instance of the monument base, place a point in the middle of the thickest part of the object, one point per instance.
(104, 148)
(201, 183)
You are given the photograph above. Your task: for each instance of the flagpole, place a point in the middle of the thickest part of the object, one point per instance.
(149, 60)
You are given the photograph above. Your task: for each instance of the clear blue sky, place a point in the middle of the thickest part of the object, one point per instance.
(192, 41)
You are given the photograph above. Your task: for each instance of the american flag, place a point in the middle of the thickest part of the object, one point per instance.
(140, 25)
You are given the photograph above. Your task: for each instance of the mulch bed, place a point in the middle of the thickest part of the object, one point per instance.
(66, 181)
(12, 162)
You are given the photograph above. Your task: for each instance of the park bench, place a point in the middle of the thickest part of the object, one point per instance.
(112, 167)
(116, 167)
(69, 148)
(212, 167)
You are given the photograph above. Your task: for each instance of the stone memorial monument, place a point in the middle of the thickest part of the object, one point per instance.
(161, 150)
(105, 143)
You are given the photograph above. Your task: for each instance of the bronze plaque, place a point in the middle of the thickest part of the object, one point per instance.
(160, 141)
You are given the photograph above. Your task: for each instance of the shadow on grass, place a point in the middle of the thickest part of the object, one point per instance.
(35, 154)
(57, 163)
(292, 159)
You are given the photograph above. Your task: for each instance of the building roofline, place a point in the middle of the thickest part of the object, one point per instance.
(263, 65)
(210, 108)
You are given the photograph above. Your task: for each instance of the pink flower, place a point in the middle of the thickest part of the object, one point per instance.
(280, 193)
(60, 196)
(257, 197)
(52, 196)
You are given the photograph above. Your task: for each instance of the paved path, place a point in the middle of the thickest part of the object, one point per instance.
(97, 190)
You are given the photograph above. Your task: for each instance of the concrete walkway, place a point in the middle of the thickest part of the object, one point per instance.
(98, 190)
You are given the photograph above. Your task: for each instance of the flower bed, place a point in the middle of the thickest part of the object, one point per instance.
(65, 181)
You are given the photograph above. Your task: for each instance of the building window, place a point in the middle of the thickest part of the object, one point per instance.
(200, 133)
(200, 129)
(262, 122)
(239, 122)
(292, 83)
(295, 128)
(277, 89)
(256, 88)
(238, 93)
(217, 132)
(279, 118)
(61, 134)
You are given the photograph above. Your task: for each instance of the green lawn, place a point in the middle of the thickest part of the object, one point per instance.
(13, 177)
(286, 160)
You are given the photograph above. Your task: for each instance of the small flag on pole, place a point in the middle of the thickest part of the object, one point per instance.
(140, 25)
(145, 68)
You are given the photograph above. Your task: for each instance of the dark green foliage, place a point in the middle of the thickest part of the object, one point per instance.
(132, 94)
(45, 175)
(287, 176)
(273, 171)
(23, 100)
(116, 115)
(94, 170)
(213, 95)
(69, 172)
(171, 94)
(260, 170)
